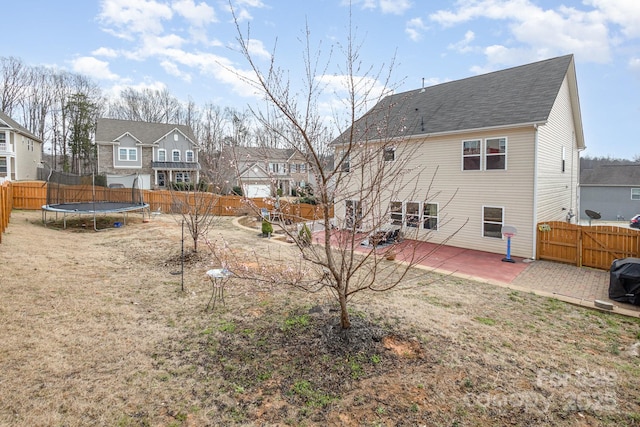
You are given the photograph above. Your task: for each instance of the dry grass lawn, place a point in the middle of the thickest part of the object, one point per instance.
(96, 331)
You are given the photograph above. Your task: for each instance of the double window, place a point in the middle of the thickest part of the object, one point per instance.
(128, 154)
(490, 154)
(422, 215)
(182, 177)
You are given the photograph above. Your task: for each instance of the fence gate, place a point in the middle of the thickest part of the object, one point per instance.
(589, 246)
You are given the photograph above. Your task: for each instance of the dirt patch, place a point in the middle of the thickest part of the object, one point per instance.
(97, 331)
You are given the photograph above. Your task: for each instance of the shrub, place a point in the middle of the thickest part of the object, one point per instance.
(304, 235)
(267, 228)
(237, 190)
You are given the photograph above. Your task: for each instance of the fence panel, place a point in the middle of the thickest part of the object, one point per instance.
(602, 244)
(589, 246)
(32, 195)
(559, 241)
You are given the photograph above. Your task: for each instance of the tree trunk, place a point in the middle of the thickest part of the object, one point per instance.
(345, 322)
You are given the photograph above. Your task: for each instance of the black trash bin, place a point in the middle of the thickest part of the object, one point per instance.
(624, 280)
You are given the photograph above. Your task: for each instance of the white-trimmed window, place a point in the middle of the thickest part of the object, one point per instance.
(302, 167)
(346, 164)
(389, 154)
(278, 168)
(412, 214)
(492, 221)
(396, 213)
(3, 141)
(128, 154)
(496, 153)
(162, 155)
(293, 168)
(3, 165)
(471, 157)
(635, 194)
(175, 155)
(183, 177)
(189, 156)
(430, 216)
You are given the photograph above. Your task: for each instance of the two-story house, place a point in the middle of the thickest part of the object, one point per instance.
(20, 151)
(158, 153)
(479, 153)
(262, 171)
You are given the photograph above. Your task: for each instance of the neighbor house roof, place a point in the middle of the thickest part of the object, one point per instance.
(109, 130)
(611, 176)
(263, 154)
(6, 121)
(516, 96)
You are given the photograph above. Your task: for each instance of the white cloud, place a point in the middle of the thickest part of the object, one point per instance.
(625, 13)
(464, 45)
(170, 67)
(256, 49)
(93, 67)
(415, 28)
(134, 16)
(536, 31)
(396, 7)
(197, 15)
(634, 65)
(106, 52)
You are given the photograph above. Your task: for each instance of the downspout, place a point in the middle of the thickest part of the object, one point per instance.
(534, 252)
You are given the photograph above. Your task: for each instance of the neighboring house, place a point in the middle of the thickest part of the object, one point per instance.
(261, 172)
(159, 153)
(506, 147)
(613, 191)
(20, 151)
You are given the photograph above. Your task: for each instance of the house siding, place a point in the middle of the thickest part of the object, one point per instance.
(466, 192)
(557, 190)
(613, 203)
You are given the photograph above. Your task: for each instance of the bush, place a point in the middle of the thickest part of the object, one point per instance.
(267, 228)
(304, 235)
(237, 190)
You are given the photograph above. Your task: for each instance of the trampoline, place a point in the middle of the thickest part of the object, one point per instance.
(72, 195)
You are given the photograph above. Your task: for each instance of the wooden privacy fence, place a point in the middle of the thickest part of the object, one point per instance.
(589, 246)
(6, 202)
(33, 195)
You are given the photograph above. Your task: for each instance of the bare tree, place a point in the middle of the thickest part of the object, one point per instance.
(146, 105)
(14, 82)
(361, 178)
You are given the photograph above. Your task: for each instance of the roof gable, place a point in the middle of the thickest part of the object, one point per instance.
(16, 127)
(515, 96)
(110, 130)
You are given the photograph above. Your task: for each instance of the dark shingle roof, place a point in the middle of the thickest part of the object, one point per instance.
(611, 175)
(519, 95)
(108, 130)
(17, 127)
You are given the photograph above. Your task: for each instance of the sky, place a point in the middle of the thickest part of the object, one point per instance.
(189, 47)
